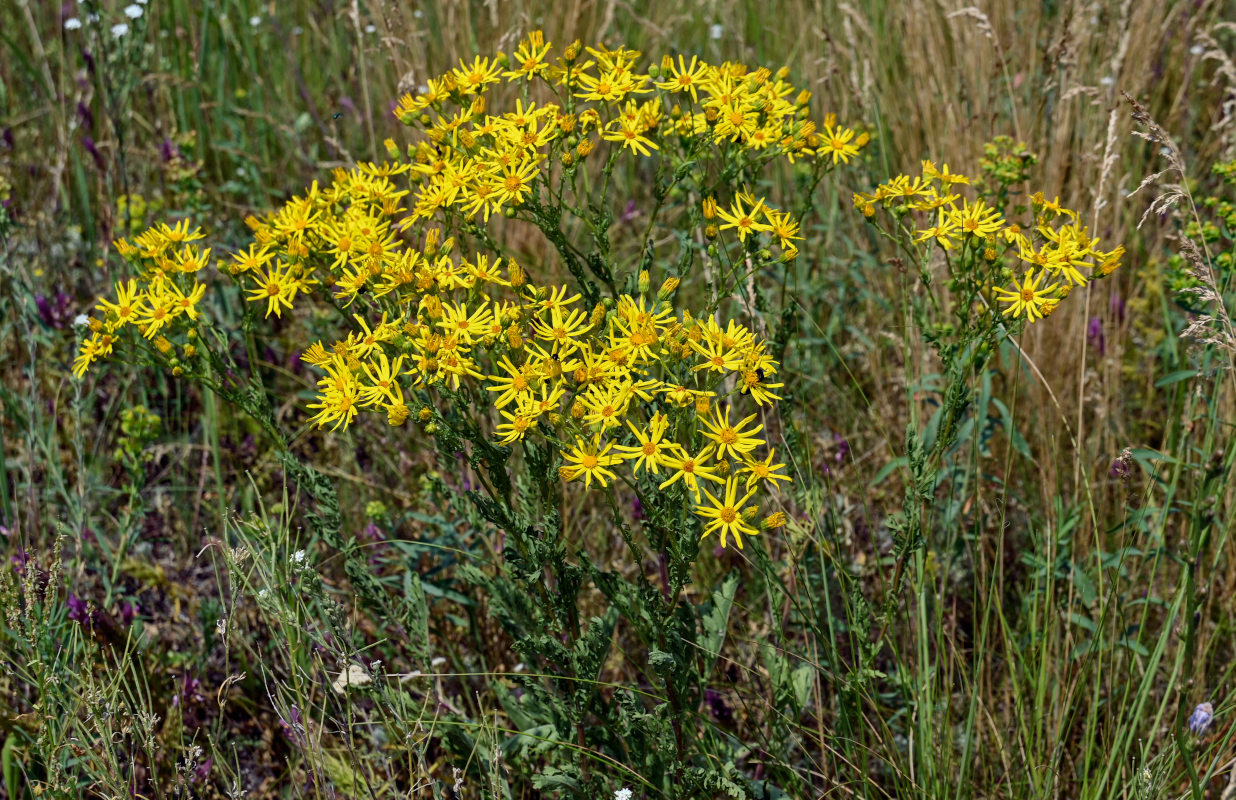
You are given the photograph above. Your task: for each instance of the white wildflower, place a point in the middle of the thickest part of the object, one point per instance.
(119, 29)
(81, 320)
(1197, 49)
(354, 676)
(255, 21)
(72, 24)
(622, 794)
(715, 30)
(371, 28)
(133, 11)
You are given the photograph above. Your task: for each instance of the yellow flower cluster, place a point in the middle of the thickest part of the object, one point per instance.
(629, 389)
(633, 384)
(1055, 249)
(479, 164)
(163, 299)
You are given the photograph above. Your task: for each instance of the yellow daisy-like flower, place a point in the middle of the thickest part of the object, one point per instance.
(1027, 297)
(590, 460)
(726, 515)
(277, 287)
(978, 218)
(689, 469)
(651, 451)
(743, 221)
(732, 440)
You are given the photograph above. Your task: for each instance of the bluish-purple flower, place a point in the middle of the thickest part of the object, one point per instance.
(1201, 718)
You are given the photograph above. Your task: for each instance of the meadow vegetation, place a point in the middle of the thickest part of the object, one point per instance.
(713, 399)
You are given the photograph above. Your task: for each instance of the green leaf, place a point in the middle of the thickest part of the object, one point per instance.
(1175, 377)
(716, 621)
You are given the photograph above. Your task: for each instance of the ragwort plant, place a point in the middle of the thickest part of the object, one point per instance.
(608, 383)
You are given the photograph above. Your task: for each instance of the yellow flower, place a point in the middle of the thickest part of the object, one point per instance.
(731, 440)
(977, 219)
(651, 450)
(515, 427)
(474, 77)
(838, 142)
(683, 77)
(529, 57)
(277, 287)
(562, 331)
(689, 469)
(514, 183)
(590, 460)
(726, 515)
(383, 386)
(744, 220)
(1026, 298)
(765, 470)
(631, 136)
(128, 307)
(783, 226)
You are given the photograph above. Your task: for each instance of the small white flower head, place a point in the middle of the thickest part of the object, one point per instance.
(81, 320)
(133, 11)
(437, 662)
(141, 2)
(72, 24)
(120, 29)
(715, 30)
(354, 676)
(255, 20)
(418, 13)
(1107, 80)
(1197, 49)
(371, 28)
(622, 794)
(298, 557)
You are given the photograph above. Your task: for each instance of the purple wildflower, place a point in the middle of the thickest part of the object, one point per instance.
(54, 312)
(1201, 718)
(80, 611)
(1094, 335)
(93, 150)
(843, 447)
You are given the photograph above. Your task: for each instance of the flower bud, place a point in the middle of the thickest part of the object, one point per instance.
(667, 288)
(774, 520)
(642, 282)
(396, 414)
